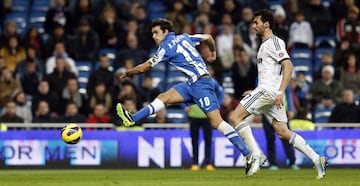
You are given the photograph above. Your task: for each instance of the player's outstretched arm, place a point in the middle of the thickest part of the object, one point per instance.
(141, 68)
(209, 40)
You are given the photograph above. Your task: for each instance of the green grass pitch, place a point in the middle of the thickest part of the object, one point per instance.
(176, 177)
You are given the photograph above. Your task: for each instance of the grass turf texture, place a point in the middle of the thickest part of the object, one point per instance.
(176, 177)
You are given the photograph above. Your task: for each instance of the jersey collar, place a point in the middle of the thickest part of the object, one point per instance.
(169, 35)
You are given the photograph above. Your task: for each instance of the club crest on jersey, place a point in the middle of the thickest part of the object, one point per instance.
(281, 54)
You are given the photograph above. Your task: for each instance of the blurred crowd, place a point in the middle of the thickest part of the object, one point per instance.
(42, 71)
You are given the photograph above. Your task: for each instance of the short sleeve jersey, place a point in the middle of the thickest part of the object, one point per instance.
(180, 51)
(271, 54)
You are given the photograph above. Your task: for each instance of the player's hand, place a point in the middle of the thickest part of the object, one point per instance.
(279, 101)
(290, 115)
(211, 57)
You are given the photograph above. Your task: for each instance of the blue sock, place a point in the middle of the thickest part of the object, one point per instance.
(152, 108)
(239, 144)
(230, 133)
(141, 114)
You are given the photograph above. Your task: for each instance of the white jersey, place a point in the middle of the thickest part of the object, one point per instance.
(270, 55)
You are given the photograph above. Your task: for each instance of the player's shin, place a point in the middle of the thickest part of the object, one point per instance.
(246, 134)
(150, 109)
(230, 133)
(300, 144)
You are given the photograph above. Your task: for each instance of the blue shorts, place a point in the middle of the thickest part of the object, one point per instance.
(202, 93)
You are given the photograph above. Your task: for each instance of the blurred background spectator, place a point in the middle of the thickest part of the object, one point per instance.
(29, 75)
(9, 114)
(12, 52)
(300, 33)
(58, 14)
(243, 70)
(72, 114)
(60, 52)
(43, 93)
(109, 28)
(71, 93)
(58, 77)
(100, 96)
(346, 111)
(104, 74)
(86, 42)
(349, 27)
(350, 74)
(42, 113)
(8, 85)
(23, 110)
(327, 86)
(301, 121)
(99, 115)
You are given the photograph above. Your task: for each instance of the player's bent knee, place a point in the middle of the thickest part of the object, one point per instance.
(281, 136)
(282, 131)
(284, 134)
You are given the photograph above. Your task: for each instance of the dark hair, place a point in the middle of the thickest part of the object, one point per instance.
(164, 24)
(70, 102)
(301, 113)
(346, 65)
(266, 16)
(239, 48)
(30, 60)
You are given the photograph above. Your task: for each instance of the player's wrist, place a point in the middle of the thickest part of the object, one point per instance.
(279, 92)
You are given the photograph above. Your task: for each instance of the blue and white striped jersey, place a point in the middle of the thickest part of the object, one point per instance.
(180, 51)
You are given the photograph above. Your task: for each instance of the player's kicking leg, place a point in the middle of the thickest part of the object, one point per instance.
(168, 97)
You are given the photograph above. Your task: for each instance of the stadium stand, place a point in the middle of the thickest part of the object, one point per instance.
(37, 19)
(84, 68)
(20, 18)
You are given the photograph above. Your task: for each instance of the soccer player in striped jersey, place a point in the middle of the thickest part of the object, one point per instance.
(180, 51)
(274, 73)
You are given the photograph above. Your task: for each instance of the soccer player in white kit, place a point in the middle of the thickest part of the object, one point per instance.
(274, 73)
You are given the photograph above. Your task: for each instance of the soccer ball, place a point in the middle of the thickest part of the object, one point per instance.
(71, 134)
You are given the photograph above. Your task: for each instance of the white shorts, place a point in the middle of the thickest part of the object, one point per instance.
(261, 101)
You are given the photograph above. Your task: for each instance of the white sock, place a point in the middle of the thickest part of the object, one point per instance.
(245, 133)
(300, 144)
(155, 106)
(226, 128)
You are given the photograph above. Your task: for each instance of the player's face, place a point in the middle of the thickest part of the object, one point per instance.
(258, 26)
(158, 35)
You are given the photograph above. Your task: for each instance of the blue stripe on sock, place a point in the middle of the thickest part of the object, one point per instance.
(230, 133)
(152, 109)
